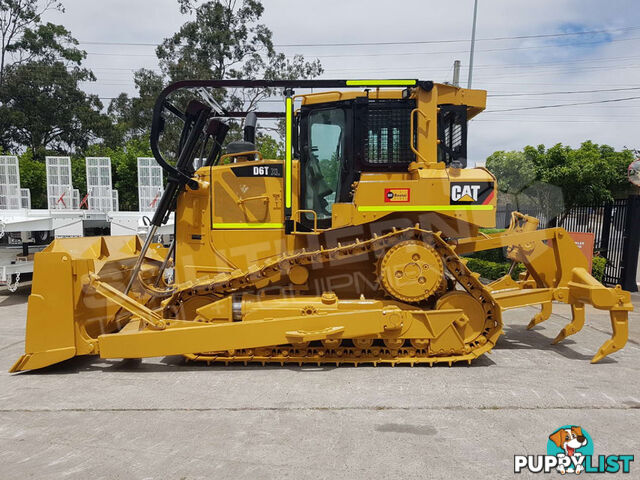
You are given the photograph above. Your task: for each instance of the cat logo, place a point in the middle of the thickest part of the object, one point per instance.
(471, 193)
(466, 193)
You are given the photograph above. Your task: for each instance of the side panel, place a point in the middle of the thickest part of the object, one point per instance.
(467, 195)
(247, 195)
(235, 218)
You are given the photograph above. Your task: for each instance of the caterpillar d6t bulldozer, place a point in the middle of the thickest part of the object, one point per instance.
(349, 250)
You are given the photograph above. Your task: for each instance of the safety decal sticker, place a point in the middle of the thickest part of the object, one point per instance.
(397, 195)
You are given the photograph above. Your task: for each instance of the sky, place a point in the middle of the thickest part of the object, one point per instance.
(422, 40)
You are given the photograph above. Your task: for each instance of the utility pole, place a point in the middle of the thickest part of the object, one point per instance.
(456, 73)
(473, 42)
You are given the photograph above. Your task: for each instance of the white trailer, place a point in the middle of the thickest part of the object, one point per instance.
(99, 189)
(64, 218)
(10, 194)
(150, 184)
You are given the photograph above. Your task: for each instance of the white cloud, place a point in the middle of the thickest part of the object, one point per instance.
(598, 65)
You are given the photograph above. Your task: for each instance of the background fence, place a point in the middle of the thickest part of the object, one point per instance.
(616, 229)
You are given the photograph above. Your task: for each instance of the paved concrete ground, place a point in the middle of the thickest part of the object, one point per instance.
(161, 418)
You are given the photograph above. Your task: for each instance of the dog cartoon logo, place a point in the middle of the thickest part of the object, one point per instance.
(572, 442)
(570, 450)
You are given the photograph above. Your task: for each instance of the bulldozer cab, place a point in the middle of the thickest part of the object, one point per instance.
(338, 141)
(323, 162)
(332, 139)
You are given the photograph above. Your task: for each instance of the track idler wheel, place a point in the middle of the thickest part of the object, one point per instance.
(473, 324)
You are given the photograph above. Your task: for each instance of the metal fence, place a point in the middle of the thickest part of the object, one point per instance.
(616, 230)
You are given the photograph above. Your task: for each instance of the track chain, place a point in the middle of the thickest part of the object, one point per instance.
(271, 270)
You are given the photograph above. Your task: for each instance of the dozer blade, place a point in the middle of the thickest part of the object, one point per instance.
(50, 334)
(65, 315)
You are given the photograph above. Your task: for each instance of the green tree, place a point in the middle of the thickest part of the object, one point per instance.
(126, 171)
(220, 39)
(513, 170)
(33, 176)
(132, 115)
(587, 175)
(79, 175)
(41, 103)
(269, 147)
(48, 110)
(19, 19)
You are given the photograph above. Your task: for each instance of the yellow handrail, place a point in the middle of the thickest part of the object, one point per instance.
(239, 154)
(296, 217)
(413, 148)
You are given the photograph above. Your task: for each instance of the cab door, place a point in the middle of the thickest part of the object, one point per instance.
(324, 134)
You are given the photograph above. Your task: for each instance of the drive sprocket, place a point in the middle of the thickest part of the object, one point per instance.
(411, 271)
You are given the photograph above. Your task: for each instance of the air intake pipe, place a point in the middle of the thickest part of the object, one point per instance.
(250, 127)
(248, 143)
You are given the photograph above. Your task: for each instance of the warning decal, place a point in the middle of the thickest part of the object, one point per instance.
(397, 195)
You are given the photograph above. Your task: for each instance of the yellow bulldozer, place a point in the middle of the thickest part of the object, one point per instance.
(349, 250)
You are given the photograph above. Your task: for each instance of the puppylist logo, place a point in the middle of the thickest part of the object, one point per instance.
(570, 450)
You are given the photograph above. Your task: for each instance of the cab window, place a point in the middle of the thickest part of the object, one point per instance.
(326, 133)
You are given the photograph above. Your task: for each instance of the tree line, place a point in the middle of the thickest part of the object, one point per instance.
(45, 111)
(556, 179)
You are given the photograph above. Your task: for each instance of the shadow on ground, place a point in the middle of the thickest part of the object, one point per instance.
(517, 337)
(174, 363)
(18, 297)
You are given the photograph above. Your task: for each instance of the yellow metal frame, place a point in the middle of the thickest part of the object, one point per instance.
(296, 217)
(242, 226)
(288, 167)
(423, 208)
(411, 132)
(395, 83)
(239, 154)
